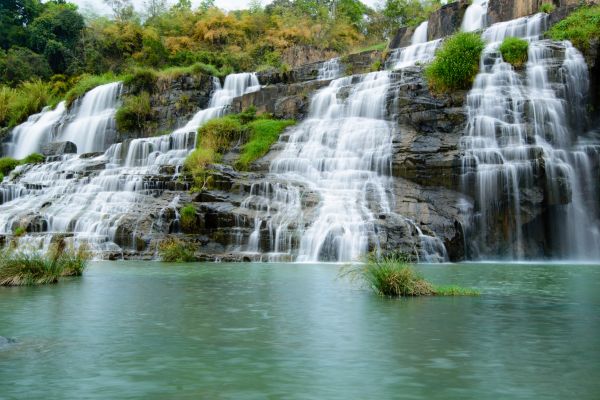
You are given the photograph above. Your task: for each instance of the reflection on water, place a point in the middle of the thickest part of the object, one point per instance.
(255, 331)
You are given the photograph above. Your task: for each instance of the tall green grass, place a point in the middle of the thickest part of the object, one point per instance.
(7, 164)
(581, 27)
(395, 276)
(456, 63)
(263, 133)
(22, 269)
(514, 51)
(174, 250)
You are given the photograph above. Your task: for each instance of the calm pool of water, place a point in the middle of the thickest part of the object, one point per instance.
(139, 330)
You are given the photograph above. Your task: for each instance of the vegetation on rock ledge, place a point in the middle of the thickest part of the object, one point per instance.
(174, 250)
(456, 63)
(514, 51)
(581, 27)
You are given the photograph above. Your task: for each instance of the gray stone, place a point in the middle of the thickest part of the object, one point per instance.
(59, 148)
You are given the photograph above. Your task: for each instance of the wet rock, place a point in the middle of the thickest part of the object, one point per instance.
(402, 38)
(59, 148)
(446, 21)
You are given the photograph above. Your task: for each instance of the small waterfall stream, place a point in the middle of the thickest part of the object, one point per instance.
(519, 135)
(475, 17)
(419, 51)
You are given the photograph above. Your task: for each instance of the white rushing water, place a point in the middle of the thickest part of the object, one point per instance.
(330, 69)
(519, 131)
(90, 124)
(475, 17)
(420, 34)
(342, 155)
(89, 198)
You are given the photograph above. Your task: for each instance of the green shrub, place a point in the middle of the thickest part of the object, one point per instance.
(85, 83)
(31, 97)
(18, 268)
(196, 165)
(7, 164)
(263, 133)
(581, 27)
(174, 250)
(1, 176)
(188, 218)
(514, 51)
(34, 158)
(19, 231)
(134, 113)
(217, 134)
(547, 8)
(7, 99)
(456, 63)
(141, 80)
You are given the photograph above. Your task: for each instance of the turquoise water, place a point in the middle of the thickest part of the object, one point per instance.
(139, 330)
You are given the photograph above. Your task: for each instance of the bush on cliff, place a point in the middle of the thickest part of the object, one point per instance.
(456, 63)
(135, 113)
(263, 133)
(188, 218)
(141, 80)
(19, 268)
(28, 98)
(514, 51)
(581, 27)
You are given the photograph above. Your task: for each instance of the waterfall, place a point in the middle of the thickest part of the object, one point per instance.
(420, 34)
(518, 135)
(331, 175)
(95, 199)
(93, 126)
(410, 55)
(90, 124)
(475, 17)
(30, 136)
(329, 69)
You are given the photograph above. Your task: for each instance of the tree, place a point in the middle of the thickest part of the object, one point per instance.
(20, 64)
(122, 9)
(154, 8)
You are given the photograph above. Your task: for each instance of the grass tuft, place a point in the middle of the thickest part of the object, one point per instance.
(581, 27)
(514, 51)
(395, 276)
(23, 269)
(188, 218)
(174, 250)
(456, 63)
(263, 133)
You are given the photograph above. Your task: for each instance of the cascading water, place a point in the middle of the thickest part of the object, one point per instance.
(89, 124)
(91, 198)
(93, 126)
(420, 50)
(329, 70)
(340, 154)
(31, 135)
(518, 135)
(475, 17)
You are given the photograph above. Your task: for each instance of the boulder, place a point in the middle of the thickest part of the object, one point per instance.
(446, 20)
(59, 148)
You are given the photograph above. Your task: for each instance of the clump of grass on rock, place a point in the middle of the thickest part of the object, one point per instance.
(20, 269)
(394, 276)
(456, 63)
(581, 27)
(514, 51)
(174, 250)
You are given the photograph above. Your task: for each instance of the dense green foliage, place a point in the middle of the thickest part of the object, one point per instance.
(134, 113)
(188, 218)
(547, 8)
(456, 63)
(256, 134)
(28, 98)
(7, 164)
(514, 51)
(174, 250)
(263, 133)
(19, 268)
(580, 27)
